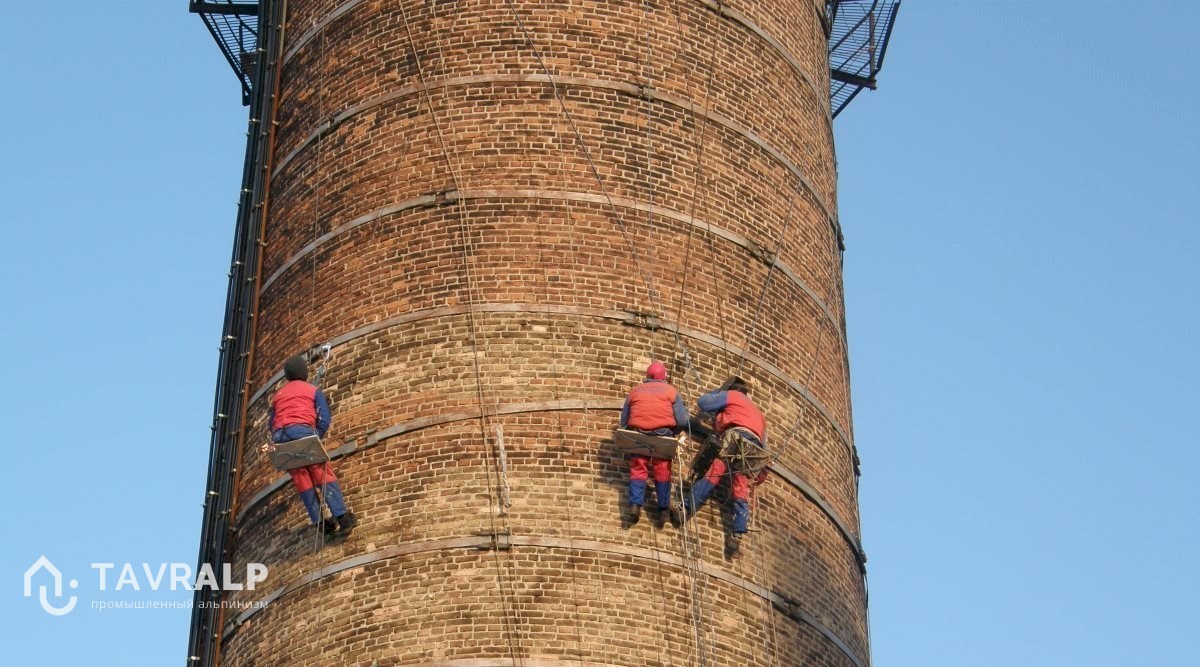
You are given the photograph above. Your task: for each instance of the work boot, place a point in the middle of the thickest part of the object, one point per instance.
(676, 516)
(347, 522)
(329, 526)
(635, 513)
(733, 545)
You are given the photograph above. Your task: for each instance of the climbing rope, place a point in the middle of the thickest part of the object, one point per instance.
(743, 466)
(692, 549)
(564, 446)
(468, 251)
(698, 140)
(468, 247)
(316, 233)
(692, 543)
(771, 640)
(652, 293)
(834, 282)
(762, 296)
(319, 377)
(646, 59)
(646, 277)
(555, 387)
(690, 557)
(646, 63)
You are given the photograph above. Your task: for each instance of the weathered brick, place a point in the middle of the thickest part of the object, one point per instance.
(454, 234)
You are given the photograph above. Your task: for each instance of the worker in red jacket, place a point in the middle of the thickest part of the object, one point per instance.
(653, 407)
(298, 410)
(735, 418)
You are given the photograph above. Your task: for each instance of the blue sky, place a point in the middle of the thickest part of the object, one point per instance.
(1022, 232)
(1019, 206)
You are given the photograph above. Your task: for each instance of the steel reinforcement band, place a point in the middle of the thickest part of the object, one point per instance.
(481, 543)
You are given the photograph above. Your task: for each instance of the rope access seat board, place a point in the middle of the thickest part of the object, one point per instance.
(298, 453)
(645, 444)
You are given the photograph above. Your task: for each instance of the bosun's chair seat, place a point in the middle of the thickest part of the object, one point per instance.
(636, 442)
(298, 453)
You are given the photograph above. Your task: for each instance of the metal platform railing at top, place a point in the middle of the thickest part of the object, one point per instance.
(859, 31)
(234, 25)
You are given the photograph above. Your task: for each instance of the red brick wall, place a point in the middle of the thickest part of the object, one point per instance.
(708, 124)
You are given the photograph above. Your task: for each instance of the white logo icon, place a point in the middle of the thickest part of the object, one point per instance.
(44, 563)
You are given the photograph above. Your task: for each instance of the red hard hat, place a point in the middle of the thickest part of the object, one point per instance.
(656, 371)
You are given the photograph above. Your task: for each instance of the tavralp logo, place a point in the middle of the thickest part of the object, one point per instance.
(44, 563)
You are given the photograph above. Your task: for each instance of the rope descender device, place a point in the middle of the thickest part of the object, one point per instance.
(322, 355)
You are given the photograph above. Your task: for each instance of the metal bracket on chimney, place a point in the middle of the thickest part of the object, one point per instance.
(786, 605)
(643, 320)
(760, 253)
(442, 197)
(500, 540)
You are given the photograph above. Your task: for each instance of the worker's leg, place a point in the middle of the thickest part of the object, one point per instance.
(741, 503)
(703, 488)
(638, 474)
(662, 482)
(308, 495)
(323, 477)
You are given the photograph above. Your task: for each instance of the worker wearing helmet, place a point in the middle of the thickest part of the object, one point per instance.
(735, 418)
(299, 410)
(653, 407)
